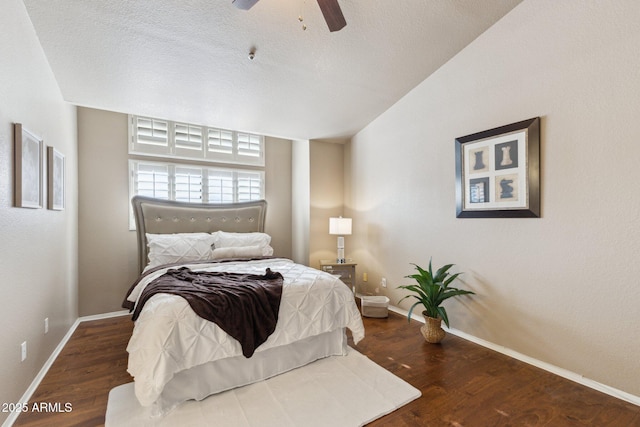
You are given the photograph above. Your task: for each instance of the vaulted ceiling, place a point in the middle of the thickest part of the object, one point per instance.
(189, 60)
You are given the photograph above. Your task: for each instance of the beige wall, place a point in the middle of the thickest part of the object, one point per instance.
(327, 199)
(108, 260)
(301, 200)
(278, 177)
(563, 288)
(318, 193)
(38, 247)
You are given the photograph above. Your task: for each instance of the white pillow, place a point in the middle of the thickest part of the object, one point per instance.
(238, 252)
(180, 247)
(223, 239)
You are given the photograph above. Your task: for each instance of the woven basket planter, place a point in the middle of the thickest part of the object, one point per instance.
(432, 330)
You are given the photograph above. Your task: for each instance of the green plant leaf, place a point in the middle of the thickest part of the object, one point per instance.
(432, 290)
(442, 273)
(443, 313)
(451, 279)
(452, 292)
(411, 310)
(424, 277)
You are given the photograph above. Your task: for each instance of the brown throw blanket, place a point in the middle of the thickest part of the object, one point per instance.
(244, 305)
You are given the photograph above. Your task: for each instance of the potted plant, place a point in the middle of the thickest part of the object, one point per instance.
(431, 290)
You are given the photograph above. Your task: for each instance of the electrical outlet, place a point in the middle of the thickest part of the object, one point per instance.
(365, 278)
(383, 282)
(23, 349)
(46, 325)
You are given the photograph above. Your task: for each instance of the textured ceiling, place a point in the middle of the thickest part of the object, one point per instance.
(188, 60)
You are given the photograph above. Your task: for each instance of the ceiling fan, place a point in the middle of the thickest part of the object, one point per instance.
(330, 9)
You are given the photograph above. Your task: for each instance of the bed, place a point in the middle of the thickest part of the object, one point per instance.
(175, 355)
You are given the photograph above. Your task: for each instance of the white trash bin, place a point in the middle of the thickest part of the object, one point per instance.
(375, 306)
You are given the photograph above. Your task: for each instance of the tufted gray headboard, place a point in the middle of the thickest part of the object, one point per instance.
(156, 216)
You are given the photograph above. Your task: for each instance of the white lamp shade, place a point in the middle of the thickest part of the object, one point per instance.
(340, 226)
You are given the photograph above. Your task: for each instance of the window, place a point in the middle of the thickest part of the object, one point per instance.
(193, 183)
(152, 141)
(163, 138)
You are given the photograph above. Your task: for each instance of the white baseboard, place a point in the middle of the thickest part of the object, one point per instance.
(104, 316)
(47, 365)
(622, 395)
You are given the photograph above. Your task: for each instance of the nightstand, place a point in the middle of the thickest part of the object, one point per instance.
(346, 271)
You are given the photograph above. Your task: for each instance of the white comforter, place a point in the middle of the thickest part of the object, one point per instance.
(169, 337)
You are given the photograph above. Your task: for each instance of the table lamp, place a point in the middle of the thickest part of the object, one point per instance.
(340, 227)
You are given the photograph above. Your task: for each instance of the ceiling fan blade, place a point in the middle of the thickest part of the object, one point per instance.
(244, 4)
(332, 14)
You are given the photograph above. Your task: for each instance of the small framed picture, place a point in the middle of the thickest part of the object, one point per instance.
(28, 168)
(56, 175)
(498, 172)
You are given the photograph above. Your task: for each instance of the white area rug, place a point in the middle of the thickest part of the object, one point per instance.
(336, 391)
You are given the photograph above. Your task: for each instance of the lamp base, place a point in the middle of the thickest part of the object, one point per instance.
(340, 259)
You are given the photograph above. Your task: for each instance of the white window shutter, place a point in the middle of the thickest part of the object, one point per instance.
(151, 180)
(220, 141)
(152, 131)
(188, 141)
(150, 136)
(220, 186)
(188, 184)
(249, 186)
(249, 145)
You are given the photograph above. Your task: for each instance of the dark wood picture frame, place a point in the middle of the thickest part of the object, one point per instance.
(498, 172)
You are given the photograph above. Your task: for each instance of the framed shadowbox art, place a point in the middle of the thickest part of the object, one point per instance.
(56, 186)
(498, 172)
(28, 168)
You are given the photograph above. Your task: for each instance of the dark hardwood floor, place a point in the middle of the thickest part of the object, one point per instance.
(462, 384)
(90, 365)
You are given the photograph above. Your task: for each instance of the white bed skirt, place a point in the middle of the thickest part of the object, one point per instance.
(214, 377)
